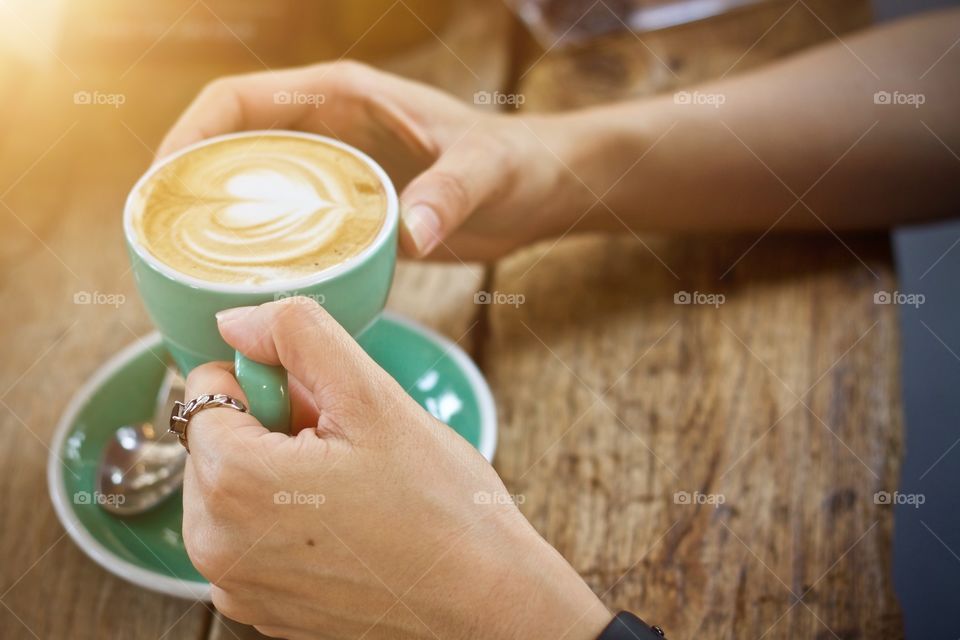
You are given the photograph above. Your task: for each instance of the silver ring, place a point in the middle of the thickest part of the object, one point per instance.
(181, 413)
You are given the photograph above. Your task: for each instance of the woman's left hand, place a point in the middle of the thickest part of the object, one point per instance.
(474, 184)
(375, 520)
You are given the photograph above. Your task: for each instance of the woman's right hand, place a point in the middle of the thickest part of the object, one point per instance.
(375, 520)
(475, 184)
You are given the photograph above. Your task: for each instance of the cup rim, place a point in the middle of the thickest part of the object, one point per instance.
(390, 222)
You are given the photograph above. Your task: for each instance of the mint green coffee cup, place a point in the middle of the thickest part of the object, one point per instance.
(183, 308)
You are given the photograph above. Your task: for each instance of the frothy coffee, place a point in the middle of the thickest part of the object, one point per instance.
(250, 210)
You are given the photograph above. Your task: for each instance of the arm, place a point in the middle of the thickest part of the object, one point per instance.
(805, 127)
(476, 185)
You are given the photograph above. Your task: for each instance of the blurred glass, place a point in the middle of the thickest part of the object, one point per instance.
(558, 23)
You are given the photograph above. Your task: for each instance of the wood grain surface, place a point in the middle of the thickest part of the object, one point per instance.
(710, 466)
(625, 418)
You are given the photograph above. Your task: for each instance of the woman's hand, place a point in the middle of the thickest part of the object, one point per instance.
(474, 184)
(375, 520)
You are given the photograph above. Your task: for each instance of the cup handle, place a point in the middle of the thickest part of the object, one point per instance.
(266, 390)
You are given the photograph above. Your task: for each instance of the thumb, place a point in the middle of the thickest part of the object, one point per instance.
(298, 334)
(441, 198)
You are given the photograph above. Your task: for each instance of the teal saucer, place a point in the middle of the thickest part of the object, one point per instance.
(147, 550)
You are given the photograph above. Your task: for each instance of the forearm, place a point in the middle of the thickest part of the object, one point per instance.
(802, 141)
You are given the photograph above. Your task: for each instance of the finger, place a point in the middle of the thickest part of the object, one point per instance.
(300, 335)
(263, 100)
(215, 432)
(472, 172)
(224, 106)
(304, 412)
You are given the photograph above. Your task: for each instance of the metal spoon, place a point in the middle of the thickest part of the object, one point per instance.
(143, 464)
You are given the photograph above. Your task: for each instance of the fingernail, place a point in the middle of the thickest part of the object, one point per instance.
(232, 315)
(423, 224)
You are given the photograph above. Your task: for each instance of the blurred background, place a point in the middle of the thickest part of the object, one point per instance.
(88, 88)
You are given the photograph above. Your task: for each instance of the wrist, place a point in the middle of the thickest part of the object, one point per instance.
(561, 155)
(570, 609)
(539, 594)
(601, 154)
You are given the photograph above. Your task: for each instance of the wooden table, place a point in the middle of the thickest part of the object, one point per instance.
(709, 467)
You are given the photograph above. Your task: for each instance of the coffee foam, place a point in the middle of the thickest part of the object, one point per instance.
(250, 210)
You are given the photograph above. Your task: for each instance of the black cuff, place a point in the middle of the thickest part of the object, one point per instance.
(626, 626)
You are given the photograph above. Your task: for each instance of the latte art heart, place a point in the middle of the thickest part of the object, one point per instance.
(253, 210)
(261, 216)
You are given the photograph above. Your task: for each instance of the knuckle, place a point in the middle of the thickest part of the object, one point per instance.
(351, 80)
(207, 552)
(201, 377)
(450, 191)
(351, 406)
(220, 482)
(349, 70)
(222, 86)
(502, 153)
(232, 607)
(296, 313)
